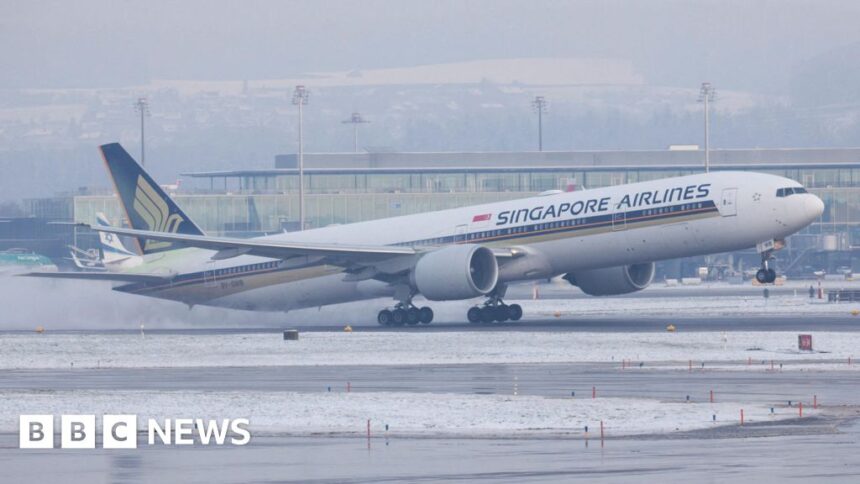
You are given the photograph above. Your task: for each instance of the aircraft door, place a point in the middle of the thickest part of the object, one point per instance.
(619, 221)
(460, 234)
(210, 275)
(728, 204)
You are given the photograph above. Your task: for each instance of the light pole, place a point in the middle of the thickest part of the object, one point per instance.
(142, 107)
(300, 98)
(706, 96)
(355, 120)
(539, 105)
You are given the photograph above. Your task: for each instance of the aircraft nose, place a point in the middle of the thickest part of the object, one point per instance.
(813, 206)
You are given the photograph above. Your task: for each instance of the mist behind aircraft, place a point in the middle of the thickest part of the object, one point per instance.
(786, 75)
(98, 43)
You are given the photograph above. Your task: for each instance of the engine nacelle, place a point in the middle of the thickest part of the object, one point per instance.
(456, 272)
(613, 280)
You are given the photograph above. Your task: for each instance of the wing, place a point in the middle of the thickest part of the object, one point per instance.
(99, 276)
(344, 255)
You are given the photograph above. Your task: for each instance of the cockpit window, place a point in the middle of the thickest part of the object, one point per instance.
(785, 192)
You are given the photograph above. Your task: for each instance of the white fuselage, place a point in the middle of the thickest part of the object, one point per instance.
(559, 232)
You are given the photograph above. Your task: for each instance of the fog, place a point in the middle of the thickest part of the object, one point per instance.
(787, 74)
(26, 303)
(54, 304)
(738, 44)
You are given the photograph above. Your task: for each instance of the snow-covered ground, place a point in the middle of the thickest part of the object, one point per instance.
(423, 414)
(418, 414)
(413, 413)
(57, 350)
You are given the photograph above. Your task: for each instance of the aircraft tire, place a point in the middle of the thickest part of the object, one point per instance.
(425, 315)
(771, 275)
(515, 312)
(398, 317)
(500, 314)
(761, 276)
(474, 315)
(413, 316)
(488, 314)
(384, 318)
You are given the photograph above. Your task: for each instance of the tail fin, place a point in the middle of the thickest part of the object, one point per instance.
(146, 205)
(113, 249)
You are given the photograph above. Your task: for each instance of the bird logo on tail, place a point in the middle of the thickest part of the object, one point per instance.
(155, 213)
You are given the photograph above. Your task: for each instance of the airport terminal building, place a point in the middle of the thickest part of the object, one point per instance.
(350, 187)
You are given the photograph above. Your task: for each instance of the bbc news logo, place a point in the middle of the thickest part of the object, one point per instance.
(120, 431)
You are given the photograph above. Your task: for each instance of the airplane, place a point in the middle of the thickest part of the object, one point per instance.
(114, 255)
(604, 241)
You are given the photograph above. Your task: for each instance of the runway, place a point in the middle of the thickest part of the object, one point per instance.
(684, 322)
(564, 323)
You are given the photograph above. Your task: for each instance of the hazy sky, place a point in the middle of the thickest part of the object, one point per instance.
(742, 44)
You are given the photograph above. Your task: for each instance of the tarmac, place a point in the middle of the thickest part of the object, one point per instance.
(809, 456)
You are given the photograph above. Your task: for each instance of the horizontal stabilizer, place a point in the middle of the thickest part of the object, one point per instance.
(99, 276)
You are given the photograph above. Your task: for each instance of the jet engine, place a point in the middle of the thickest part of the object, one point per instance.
(613, 280)
(456, 272)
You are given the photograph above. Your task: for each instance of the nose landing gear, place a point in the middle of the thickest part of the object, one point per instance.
(765, 275)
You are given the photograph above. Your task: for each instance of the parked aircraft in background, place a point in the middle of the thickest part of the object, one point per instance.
(112, 254)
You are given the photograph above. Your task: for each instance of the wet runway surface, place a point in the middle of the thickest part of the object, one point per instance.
(804, 457)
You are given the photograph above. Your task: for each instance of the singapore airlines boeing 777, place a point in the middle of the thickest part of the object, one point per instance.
(604, 241)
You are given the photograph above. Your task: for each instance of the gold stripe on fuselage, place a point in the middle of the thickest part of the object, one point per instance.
(204, 289)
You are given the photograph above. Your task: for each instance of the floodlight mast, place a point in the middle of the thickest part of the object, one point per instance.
(142, 108)
(300, 98)
(539, 105)
(355, 119)
(706, 96)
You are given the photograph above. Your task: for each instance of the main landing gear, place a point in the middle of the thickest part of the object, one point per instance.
(405, 313)
(494, 310)
(765, 275)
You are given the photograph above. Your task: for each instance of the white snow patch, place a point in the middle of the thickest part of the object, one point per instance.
(404, 413)
(705, 306)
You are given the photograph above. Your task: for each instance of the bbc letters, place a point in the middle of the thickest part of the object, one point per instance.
(121, 431)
